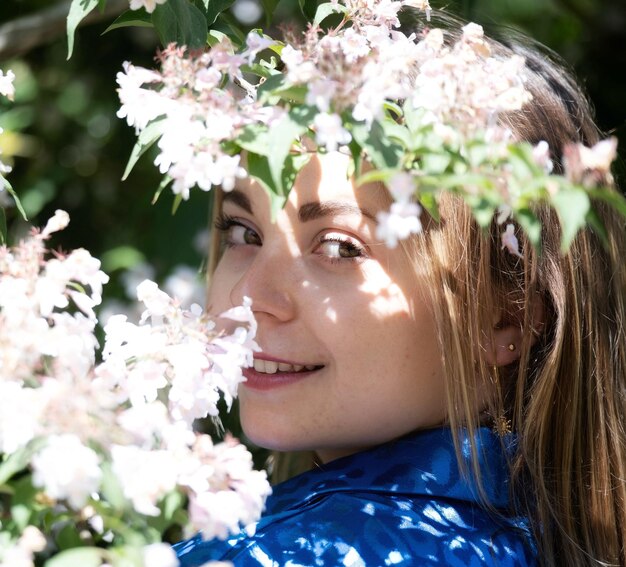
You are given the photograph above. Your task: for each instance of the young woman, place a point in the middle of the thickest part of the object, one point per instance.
(465, 406)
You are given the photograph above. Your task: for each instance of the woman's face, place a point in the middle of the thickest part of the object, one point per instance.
(349, 352)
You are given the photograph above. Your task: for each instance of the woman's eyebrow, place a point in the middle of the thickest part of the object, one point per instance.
(312, 211)
(238, 198)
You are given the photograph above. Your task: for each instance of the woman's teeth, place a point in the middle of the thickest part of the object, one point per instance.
(271, 367)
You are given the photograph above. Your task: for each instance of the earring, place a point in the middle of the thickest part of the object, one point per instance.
(511, 347)
(502, 425)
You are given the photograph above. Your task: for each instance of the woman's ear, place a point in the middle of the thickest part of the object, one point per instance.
(507, 335)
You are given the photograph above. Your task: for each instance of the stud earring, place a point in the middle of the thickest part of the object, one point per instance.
(511, 347)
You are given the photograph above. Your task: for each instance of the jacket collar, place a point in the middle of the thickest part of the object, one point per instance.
(420, 464)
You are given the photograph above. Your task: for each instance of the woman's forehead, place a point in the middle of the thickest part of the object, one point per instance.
(324, 178)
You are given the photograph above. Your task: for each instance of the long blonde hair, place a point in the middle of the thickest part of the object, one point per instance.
(565, 396)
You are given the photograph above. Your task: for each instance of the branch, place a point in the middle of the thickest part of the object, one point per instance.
(23, 34)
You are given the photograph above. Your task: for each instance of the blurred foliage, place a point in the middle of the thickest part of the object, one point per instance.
(69, 149)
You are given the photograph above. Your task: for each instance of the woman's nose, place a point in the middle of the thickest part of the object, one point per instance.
(269, 281)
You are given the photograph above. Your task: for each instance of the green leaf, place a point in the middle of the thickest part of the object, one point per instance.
(282, 135)
(483, 209)
(376, 175)
(111, 488)
(382, 152)
(356, 153)
(121, 258)
(170, 505)
(531, 225)
(5, 182)
(393, 107)
(164, 183)
(326, 9)
(180, 22)
(259, 169)
(429, 202)
(259, 70)
(234, 30)
(22, 505)
(413, 117)
(178, 199)
(78, 10)
(596, 224)
(572, 206)
(308, 8)
(137, 18)
(3, 226)
(271, 86)
(215, 7)
(67, 537)
(397, 132)
(254, 138)
(214, 37)
(436, 163)
(78, 557)
(611, 197)
(269, 6)
(150, 134)
(19, 460)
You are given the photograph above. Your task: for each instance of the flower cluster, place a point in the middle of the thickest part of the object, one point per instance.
(194, 112)
(68, 420)
(426, 112)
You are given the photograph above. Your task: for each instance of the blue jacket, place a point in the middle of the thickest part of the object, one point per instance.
(402, 503)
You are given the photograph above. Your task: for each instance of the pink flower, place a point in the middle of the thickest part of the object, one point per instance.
(509, 241)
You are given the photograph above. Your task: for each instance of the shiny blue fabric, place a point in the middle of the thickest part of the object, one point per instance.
(402, 503)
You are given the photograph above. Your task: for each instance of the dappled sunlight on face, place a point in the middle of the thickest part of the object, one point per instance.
(387, 297)
(350, 357)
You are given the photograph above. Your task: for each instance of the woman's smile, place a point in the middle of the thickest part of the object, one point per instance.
(351, 356)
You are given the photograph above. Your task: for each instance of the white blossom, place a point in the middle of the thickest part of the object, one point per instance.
(53, 394)
(329, 131)
(398, 223)
(185, 285)
(159, 555)
(146, 476)
(234, 488)
(58, 222)
(20, 413)
(16, 556)
(402, 187)
(510, 242)
(256, 43)
(32, 539)
(67, 470)
(600, 156)
(541, 155)
(320, 94)
(157, 302)
(6, 84)
(148, 5)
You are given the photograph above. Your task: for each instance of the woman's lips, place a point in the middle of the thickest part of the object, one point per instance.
(268, 374)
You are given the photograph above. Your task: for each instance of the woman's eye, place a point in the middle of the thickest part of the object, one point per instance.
(240, 234)
(236, 233)
(337, 248)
